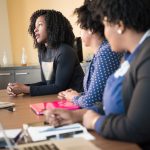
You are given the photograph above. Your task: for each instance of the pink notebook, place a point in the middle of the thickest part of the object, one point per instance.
(39, 108)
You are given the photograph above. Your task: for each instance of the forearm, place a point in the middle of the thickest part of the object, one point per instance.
(37, 84)
(78, 115)
(87, 99)
(134, 125)
(45, 89)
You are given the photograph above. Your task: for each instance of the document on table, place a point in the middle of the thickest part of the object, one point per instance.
(48, 132)
(10, 133)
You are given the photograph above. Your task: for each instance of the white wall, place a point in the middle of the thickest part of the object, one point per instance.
(5, 44)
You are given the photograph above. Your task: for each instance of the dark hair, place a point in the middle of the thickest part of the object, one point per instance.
(133, 13)
(84, 19)
(59, 28)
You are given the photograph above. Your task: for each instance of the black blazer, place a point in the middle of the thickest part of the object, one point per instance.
(67, 72)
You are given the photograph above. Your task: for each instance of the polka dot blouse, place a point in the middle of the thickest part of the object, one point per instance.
(103, 64)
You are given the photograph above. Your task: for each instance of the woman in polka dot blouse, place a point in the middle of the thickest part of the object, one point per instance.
(103, 64)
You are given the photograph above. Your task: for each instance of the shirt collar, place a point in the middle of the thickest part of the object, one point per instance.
(147, 34)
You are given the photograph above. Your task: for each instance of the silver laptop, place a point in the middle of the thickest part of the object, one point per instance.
(6, 141)
(64, 144)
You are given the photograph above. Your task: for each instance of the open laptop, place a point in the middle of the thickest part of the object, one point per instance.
(5, 141)
(64, 144)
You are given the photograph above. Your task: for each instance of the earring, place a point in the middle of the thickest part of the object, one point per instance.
(119, 31)
(89, 32)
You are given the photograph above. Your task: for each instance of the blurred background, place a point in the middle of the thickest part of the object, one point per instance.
(14, 18)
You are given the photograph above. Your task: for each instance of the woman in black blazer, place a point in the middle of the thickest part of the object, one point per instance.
(60, 68)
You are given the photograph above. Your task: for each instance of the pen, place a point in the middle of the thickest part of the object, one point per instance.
(58, 129)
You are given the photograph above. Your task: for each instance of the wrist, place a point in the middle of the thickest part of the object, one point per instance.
(78, 115)
(94, 122)
(26, 89)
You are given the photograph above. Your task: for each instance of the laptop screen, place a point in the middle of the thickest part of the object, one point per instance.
(4, 140)
(65, 144)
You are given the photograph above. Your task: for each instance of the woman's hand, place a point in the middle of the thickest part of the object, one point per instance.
(61, 95)
(68, 94)
(59, 117)
(9, 89)
(14, 89)
(90, 118)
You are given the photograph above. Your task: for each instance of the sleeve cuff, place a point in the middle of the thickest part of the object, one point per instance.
(75, 100)
(94, 108)
(99, 123)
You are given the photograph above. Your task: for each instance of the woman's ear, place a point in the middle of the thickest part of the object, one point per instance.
(120, 28)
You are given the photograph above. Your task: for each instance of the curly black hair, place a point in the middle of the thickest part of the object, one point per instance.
(84, 19)
(133, 13)
(59, 29)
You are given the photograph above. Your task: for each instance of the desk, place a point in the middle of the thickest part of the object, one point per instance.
(24, 114)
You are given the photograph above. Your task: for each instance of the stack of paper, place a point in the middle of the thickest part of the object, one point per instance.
(10, 133)
(48, 132)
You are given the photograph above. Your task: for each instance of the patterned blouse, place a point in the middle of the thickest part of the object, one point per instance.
(103, 64)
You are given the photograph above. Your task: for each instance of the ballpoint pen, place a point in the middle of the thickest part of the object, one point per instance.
(51, 128)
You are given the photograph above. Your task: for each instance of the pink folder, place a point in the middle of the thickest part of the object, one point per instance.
(39, 108)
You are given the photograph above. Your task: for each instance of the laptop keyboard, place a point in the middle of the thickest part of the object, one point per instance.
(43, 147)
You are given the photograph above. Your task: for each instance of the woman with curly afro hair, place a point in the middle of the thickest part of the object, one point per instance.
(126, 99)
(103, 63)
(60, 68)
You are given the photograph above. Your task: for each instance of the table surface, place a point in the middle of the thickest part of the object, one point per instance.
(24, 114)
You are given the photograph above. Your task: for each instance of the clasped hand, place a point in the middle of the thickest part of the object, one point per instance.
(59, 117)
(13, 89)
(68, 94)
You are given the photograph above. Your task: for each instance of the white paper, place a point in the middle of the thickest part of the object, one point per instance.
(41, 133)
(10, 133)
